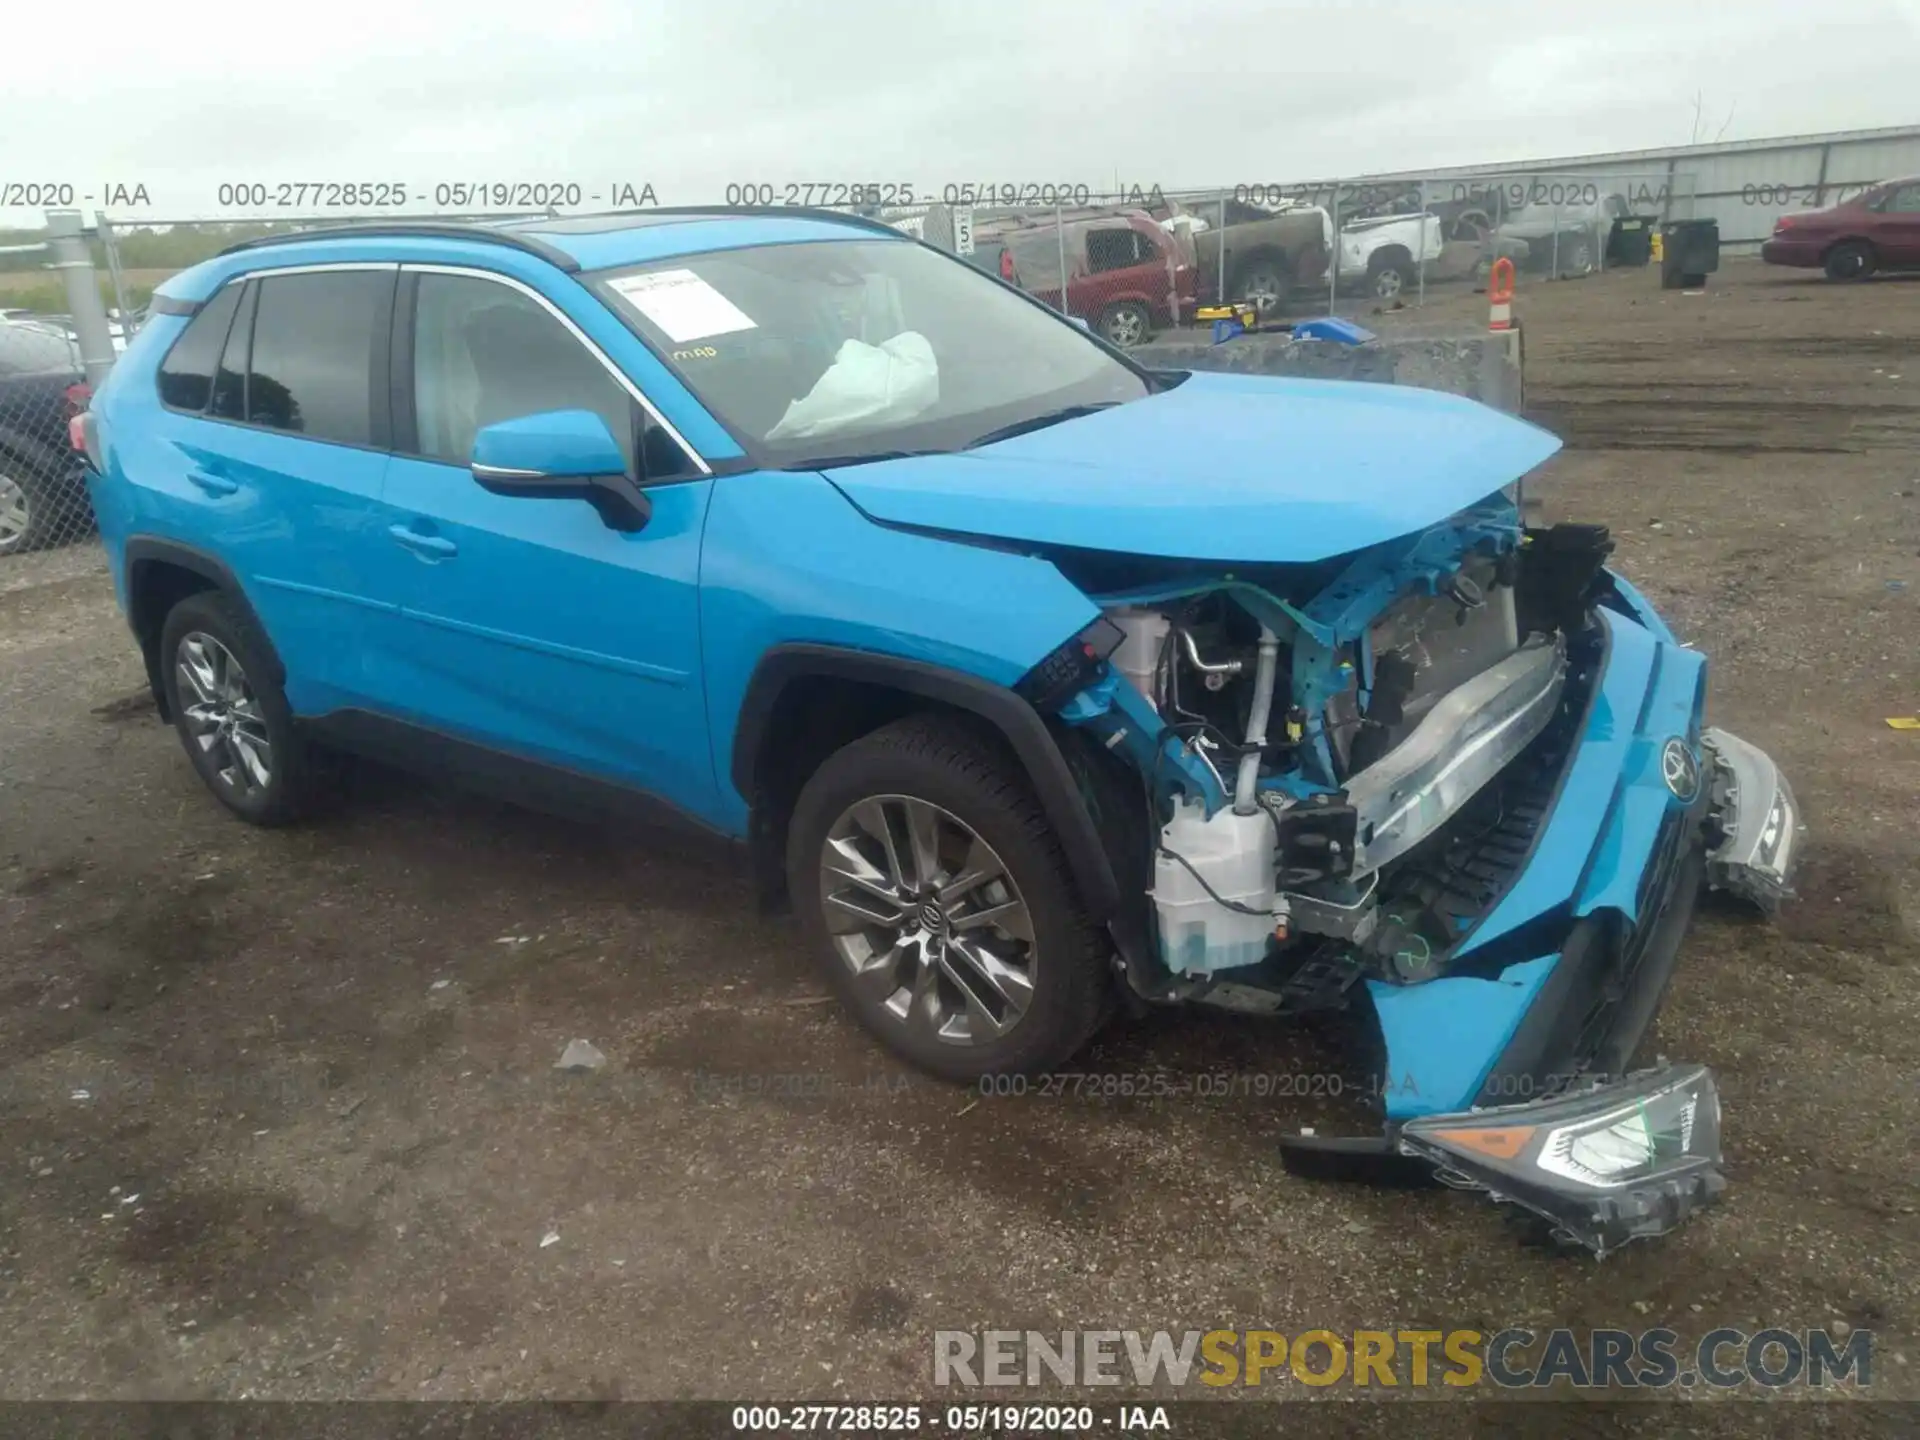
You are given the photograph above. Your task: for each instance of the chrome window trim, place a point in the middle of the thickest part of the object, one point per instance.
(620, 376)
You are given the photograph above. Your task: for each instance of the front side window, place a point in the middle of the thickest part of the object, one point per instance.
(484, 352)
(314, 347)
(186, 375)
(846, 350)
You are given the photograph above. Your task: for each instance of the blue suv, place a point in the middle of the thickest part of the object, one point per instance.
(1038, 683)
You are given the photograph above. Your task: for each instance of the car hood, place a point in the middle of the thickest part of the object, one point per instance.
(1221, 467)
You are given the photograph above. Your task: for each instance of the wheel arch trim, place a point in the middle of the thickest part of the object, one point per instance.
(144, 551)
(1017, 722)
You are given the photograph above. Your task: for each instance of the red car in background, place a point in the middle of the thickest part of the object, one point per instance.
(1126, 275)
(1876, 230)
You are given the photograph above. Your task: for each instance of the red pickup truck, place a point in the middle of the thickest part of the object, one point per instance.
(1126, 275)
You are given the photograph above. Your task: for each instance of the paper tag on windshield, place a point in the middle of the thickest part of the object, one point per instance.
(683, 305)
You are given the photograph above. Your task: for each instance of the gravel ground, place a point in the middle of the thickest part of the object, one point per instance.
(279, 1117)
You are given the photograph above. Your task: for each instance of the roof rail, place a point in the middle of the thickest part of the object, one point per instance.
(429, 229)
(804, 212)
(721, 212)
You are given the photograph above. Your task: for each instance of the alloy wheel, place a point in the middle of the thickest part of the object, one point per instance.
(1261, 289)
(1126, 327)
(222, 714)
(924, 914)
(14, 515)
(1388, 284)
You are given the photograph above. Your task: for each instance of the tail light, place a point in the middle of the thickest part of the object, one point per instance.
(81, 427)
(77, 398)
(1006, 267)
(1785, 222)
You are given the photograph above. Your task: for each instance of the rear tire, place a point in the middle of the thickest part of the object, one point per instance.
(909, 946)
(1126, 324)
(33, 514)
(1390, 274)
(1851, 260)
(1261, 281)
(231, 716)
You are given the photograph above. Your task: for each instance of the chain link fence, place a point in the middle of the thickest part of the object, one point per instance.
(45, 384)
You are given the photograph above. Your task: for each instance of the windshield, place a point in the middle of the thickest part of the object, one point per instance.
(858, 349)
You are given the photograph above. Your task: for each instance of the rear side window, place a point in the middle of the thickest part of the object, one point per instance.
(314, 342)
(186, 375)
(1117, 249)
(1904, 201)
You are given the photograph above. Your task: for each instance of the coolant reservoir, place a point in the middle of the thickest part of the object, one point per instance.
(1234, 855)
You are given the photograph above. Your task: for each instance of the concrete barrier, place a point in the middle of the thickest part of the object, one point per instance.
(1482, 366)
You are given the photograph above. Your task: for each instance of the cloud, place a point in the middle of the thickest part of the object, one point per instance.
(691, 96)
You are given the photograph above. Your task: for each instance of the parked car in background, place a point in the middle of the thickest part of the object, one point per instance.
(1469, 214)
(1876, 230)
(43, 494)
(1270, 252)
(1126, 275)
(1382, 256)
(1564, 239)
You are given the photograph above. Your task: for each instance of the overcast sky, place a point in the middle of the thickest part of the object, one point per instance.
(691, 95)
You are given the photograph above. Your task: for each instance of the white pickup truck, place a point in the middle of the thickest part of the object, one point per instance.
(1381, 256)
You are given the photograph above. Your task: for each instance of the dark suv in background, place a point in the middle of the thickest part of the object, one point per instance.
(43, 494)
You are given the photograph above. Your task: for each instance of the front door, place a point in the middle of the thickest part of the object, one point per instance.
(535, 629)
(1896, 230)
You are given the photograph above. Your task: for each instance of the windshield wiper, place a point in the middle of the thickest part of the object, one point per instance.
(1038, 422)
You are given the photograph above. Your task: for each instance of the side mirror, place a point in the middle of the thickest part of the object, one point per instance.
(561, 455)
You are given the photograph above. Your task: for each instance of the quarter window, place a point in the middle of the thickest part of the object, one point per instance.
(314, 343)
(186, 375)
(230, 379)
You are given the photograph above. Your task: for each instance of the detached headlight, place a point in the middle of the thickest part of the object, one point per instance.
(1608, 1165)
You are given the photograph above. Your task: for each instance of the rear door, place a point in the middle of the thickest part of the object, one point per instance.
(534, 628)
(278, 461)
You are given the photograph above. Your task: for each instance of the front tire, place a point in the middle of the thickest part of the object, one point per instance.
(935, 893)
(232, 718)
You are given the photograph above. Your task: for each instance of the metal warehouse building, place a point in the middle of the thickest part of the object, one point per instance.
(1744, 184)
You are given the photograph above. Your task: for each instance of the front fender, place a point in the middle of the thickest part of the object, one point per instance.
(788, 560)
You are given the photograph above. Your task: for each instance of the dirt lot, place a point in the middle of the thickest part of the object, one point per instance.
(278, 1113)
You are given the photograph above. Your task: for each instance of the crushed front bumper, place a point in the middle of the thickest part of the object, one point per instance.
(1542, 1005)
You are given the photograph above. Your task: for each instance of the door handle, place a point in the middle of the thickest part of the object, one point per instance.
(433, 547)
(212, 484)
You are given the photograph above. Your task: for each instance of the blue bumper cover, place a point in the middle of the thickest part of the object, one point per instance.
(1609, 887)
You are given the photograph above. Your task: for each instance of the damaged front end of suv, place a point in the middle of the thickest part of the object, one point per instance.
(1459, 778)
(1357, 737)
